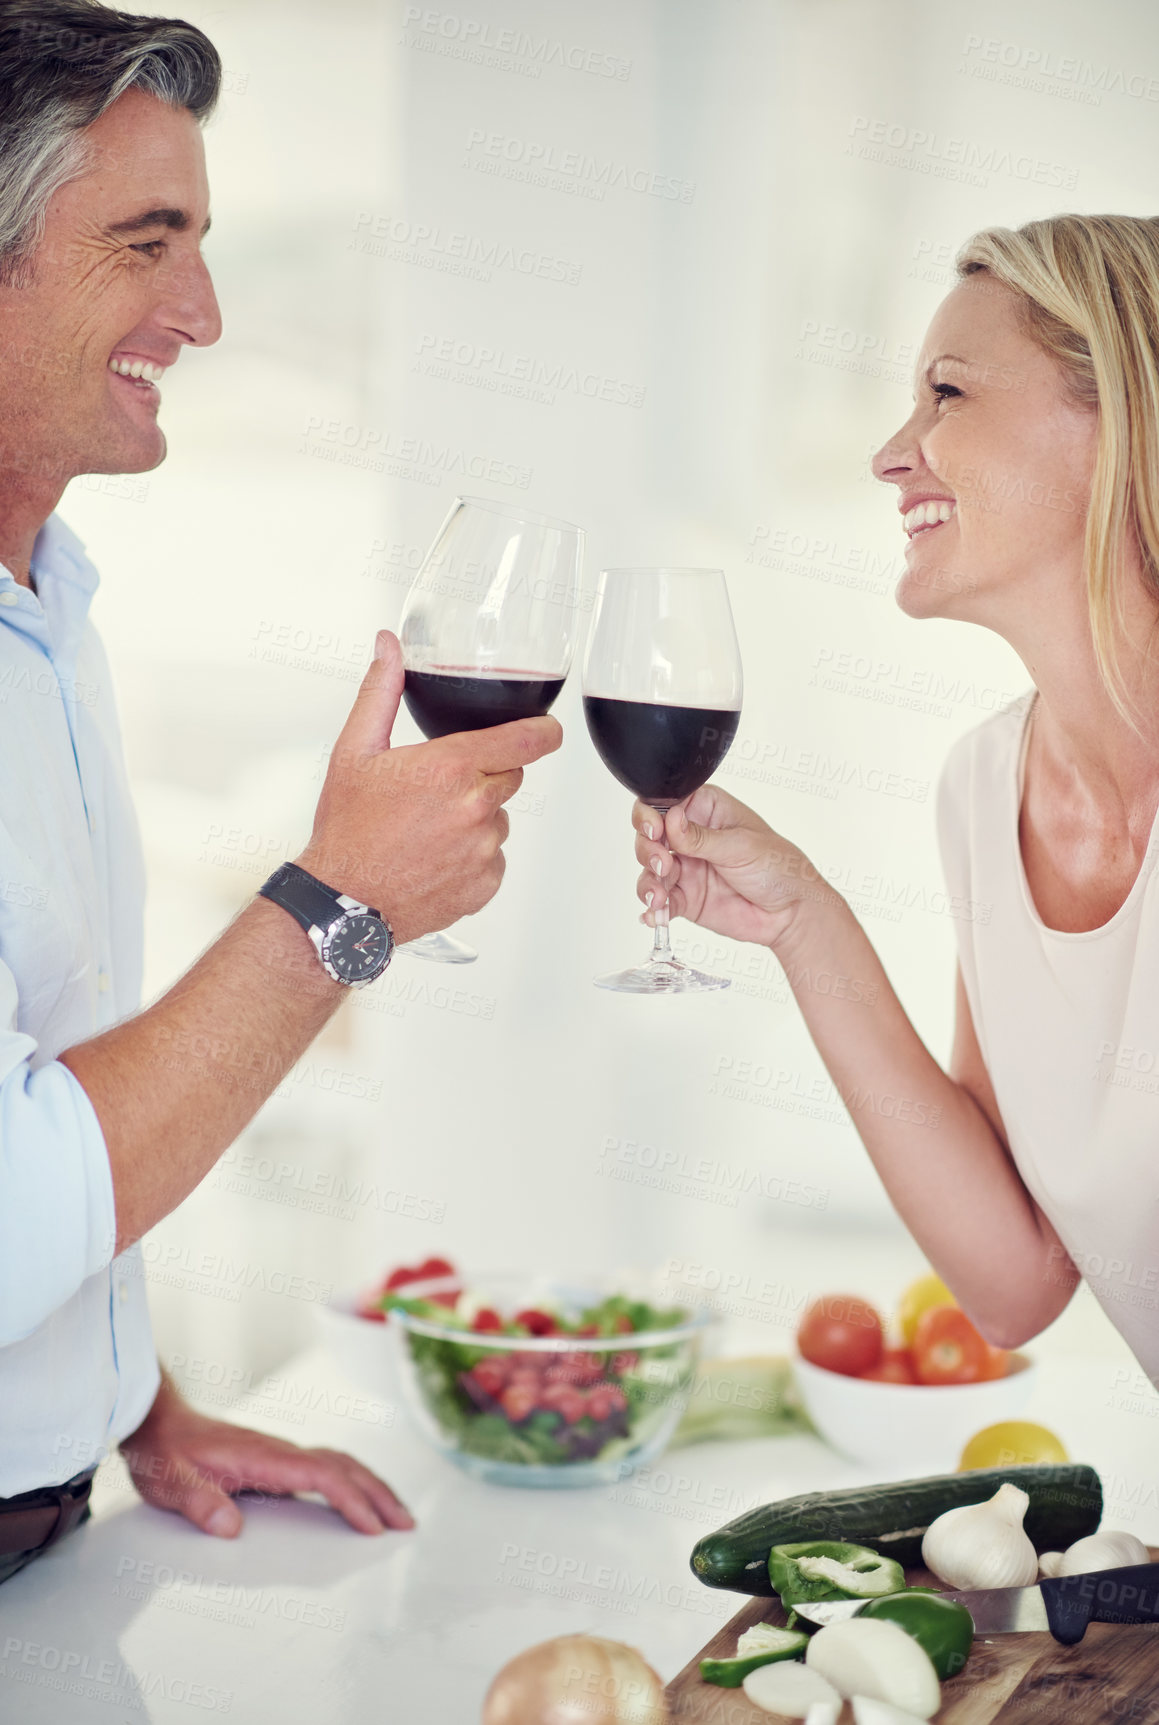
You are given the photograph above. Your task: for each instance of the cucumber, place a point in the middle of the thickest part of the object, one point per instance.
(1066, 1503)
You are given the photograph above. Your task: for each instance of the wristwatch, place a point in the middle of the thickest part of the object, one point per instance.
(354, 943)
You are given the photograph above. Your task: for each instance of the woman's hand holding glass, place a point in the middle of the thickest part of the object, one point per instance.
(724, 869)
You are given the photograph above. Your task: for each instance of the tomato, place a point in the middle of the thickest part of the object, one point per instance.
(1000, 1359)
(491, 1376)
(399, 1279)
(841, 1333)
(1011, 1443)
(606, 1399)
(518, 1400)
(948, 1349)
(896, 1366)
(486, 1319)
(430, 1267)
(927, 1291)
(373, 1314)
(436, 1267)
(565, 1399)
(539, 1323)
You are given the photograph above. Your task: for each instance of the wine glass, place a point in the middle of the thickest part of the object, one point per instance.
(662, 695)
(487, 632)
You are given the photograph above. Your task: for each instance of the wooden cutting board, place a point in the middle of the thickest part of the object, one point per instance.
(1110, 1678)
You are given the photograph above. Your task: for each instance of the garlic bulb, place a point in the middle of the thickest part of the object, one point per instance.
(1103, 1551)
(1050, 1562)
(983, 1544)
(577, 1680)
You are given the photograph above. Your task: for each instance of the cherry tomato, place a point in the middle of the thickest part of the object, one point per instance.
(518, 1401)
(927, 1291)
(948, 1349)
(539, 1323)
(999, 1361)
(565, 1399)
(486, 1318)
(841, 1333)
(491, 1376)
(606, 1399)
(399, 1279)
(896, 1366)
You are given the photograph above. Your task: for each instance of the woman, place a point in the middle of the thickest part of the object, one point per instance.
(1028, 481)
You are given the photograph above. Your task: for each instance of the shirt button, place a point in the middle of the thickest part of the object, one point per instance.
(104, 981)
(9, 598)
(122, 1291)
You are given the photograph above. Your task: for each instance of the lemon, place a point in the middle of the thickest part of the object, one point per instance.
(927, 1291)
(1011, 1443)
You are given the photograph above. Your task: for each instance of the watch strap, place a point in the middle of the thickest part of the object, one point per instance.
(313, 904)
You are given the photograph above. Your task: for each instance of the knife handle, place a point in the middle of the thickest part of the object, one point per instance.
(1129, 1595)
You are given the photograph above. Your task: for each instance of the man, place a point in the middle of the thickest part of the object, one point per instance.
(110, 1115)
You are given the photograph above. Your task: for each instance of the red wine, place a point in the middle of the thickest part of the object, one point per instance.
(440, 702)
(662, 753)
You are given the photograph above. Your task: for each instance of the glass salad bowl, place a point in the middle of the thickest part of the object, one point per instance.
(540, 1383)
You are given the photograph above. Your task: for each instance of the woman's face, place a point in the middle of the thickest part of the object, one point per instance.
(993, 467)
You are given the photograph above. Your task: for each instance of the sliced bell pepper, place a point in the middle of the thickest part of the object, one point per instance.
(764, 1644)
(831, 1569)
(942, 1626)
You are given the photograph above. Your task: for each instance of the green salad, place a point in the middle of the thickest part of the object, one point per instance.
(543, 1406)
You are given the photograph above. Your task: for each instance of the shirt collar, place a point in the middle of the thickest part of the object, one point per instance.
(66, 580)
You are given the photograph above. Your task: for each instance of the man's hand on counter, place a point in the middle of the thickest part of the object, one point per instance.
(183, 1461)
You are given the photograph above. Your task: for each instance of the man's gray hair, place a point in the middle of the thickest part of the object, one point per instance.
(62, 63)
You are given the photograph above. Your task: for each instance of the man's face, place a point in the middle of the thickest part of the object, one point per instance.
(117, 281)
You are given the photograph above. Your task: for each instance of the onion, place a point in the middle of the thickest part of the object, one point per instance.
(790, 1689)
(576, 1680)
(871, 1658)
(867, 1711)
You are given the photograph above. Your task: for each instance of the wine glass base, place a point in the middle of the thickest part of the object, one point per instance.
(440, 949)
(661, 976)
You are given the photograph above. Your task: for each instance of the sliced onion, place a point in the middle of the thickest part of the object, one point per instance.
(858, 1659)
(577, 1680)
(823, 1713)
(867, 1711)
(789, 1689)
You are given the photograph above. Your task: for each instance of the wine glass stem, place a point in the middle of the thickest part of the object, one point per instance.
(661, 950)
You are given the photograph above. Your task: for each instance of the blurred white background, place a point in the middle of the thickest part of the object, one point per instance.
(732, 219)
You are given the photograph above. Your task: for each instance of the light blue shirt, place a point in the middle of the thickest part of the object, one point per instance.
(78, 1370)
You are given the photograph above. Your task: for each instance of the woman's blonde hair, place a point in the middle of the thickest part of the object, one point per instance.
(1089, 287)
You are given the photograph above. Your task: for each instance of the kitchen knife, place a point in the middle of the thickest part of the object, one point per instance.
(1063, 1604)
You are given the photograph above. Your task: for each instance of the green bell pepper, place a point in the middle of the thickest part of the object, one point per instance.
(766, 1644)
(943, 1627)
(831, 1569)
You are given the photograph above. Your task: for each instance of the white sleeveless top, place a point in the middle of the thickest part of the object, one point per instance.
(1068, 1025)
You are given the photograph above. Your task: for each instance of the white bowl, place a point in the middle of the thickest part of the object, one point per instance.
(913, 1427)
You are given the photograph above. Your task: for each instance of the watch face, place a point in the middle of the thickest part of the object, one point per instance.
(358, 948)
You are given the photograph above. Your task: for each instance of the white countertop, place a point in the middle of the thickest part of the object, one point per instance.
(303, 1622)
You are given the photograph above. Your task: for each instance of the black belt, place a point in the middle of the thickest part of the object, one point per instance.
(37, 1519)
